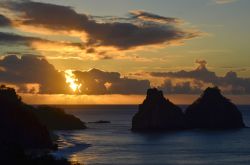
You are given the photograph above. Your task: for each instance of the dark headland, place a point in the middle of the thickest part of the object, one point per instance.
(210, 111)
(56, 119)
(26, 136)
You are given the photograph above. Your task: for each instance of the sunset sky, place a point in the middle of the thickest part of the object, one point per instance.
(112, 51)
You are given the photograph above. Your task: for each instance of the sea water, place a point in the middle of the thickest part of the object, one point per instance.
(114, 143)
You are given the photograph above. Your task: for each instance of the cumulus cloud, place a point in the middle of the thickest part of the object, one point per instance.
(185, 87)
(230, 83)
(33, 74)
(96, 81)
(119, 34)
(29, 72)
(200, 73)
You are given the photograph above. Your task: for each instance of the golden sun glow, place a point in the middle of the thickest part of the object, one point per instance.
(72, 81)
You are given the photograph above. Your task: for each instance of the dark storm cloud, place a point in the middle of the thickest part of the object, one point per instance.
(30, 69)
(119, 34)
(99, 82)
(4, 21)
(232, 83)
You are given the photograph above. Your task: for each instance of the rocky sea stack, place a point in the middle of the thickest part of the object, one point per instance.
(213, 111)
(157, 113)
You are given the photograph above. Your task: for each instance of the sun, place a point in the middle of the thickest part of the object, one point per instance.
(72, 81)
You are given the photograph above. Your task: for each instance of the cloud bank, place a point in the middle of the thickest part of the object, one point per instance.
(96, 81)
(139, 29)
(33, 74)
(201, 77)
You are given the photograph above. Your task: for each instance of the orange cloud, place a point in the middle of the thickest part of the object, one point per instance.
(139, 30)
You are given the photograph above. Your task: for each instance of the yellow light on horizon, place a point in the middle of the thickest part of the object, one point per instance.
(72, 81)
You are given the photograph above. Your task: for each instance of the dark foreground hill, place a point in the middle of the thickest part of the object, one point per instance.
(23, 139)
(18, 125)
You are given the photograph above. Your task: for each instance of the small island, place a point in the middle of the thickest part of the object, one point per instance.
(100, 122)
(213, 111)
(157, 113)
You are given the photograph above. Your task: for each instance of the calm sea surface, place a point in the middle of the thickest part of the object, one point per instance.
(114, 143)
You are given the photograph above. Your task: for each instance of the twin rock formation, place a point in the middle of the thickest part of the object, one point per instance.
(210, 111)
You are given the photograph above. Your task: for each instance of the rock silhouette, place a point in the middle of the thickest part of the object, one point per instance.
(18, 125)
(56, 118)
(100, 122)
(213, 111)
(23, 139)
(157, 113)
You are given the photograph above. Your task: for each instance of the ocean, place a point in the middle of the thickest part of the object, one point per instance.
(114, 144)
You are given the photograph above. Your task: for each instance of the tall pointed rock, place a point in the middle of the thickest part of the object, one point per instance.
(157, 113)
